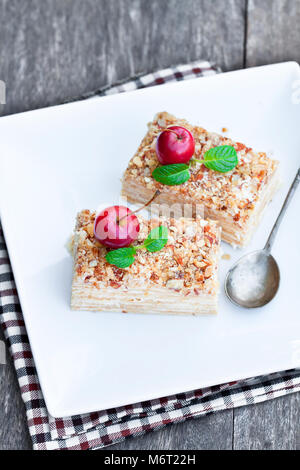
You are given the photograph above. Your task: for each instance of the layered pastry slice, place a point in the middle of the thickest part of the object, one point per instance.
(235, 199)
(181, 278)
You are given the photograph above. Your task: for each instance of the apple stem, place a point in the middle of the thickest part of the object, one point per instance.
(155, 195)
(173, 132)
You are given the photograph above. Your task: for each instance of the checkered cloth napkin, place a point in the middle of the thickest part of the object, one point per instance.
(102, 428)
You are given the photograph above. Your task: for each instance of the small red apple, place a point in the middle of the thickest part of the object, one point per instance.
(116, 227)
(175, 145)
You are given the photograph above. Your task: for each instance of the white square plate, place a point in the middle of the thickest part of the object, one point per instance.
(59, 160)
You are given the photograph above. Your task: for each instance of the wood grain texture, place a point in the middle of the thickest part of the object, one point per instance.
(210, 432)
(273, 31)
(52, 50)
(57, 49)
(273, 425)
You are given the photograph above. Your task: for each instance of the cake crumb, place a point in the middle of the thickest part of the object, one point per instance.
(224, 129)
(226, 256)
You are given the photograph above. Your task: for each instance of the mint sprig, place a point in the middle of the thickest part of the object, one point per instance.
(172, 175)
(124, 257)
(156, 239)
(221, 159)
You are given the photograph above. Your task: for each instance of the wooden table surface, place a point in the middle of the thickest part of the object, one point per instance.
(55, 49)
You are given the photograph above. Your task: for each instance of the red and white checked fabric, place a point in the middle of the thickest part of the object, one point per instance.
(102, 428)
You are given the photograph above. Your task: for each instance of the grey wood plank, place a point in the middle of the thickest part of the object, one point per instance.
(273, 31)
(56, 49)
(211, 432)
(13, 425)
(272, 35)
(272, 425)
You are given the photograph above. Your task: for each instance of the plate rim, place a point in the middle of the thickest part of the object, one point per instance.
(52, 406)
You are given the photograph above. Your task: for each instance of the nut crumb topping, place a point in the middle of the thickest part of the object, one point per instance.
(187, 264)
(234, 192)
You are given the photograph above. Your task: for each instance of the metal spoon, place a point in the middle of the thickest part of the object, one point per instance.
(254, 280)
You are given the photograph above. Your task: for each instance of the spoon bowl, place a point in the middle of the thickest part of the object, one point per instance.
(254, 280)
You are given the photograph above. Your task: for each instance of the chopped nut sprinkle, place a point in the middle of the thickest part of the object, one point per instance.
(235, 192)
(188, 263)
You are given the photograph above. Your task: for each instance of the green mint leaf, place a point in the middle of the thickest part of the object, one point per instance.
(172, 175)
(156, 239)
(122, 258)
(222, 159)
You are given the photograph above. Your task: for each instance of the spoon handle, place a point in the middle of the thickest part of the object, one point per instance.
(288, 199)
